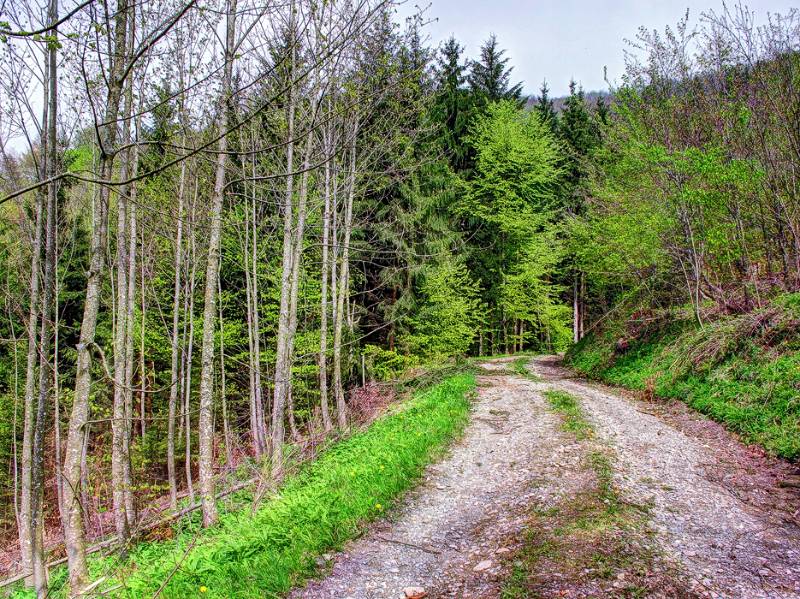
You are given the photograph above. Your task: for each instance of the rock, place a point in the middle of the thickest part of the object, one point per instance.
(484, 565)
(502, 550)
(414, 592)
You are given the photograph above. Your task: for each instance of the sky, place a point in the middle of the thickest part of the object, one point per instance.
(561, 39)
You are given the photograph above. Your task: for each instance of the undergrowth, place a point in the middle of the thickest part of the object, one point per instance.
(327, 503)
(741, 370)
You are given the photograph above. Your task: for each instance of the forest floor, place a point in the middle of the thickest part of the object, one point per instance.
(565, 488)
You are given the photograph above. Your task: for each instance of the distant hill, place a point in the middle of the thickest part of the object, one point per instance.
(560, 102)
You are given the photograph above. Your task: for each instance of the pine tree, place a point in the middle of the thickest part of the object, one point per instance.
(490, 78)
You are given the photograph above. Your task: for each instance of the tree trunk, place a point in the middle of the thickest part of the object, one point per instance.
(174, 368)
(323, 333)
(282, 382)
(206, 423)
(341, 406)
(74, 528)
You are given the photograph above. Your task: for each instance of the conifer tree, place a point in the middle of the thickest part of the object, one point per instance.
(490, 78)
(451, 103)
(545, 109)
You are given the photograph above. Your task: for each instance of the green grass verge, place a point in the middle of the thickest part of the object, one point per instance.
(743, 371)
(520, 368)
(327, 503)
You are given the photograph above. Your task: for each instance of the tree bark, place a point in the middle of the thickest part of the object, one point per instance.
(175, 345)
(282, 382)
(74, 534)
(323, 332)
(341, 406)
(206, 424)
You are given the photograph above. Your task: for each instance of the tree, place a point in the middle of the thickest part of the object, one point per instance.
(451, 106)
(511, 195)
(449, 315)
(490, 78)
(544, 108)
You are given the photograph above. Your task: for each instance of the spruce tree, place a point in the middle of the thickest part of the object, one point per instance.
(490, 78)
(581, 135)
(545, 109)
(451, 106)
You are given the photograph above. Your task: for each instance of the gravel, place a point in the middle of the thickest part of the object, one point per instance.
(717, 515)
(729, 546)
(448, 535)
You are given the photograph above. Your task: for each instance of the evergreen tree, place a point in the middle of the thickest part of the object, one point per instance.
(545, 109)
(490, 78)
(581, 135)
(451, 103)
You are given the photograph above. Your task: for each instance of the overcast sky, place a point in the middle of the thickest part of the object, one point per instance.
(559, 39)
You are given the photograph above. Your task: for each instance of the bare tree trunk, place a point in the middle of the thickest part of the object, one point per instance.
(257, 421)
(130, 506)
(282, 373)
(74, 529)
(119, 417)
(174, 367)
(582, 330)
(323, 334)
(142, 324)
(47, 319)
(206, 423)
(24, 516)
(576, 312)
(295, 282)
(341, 406)
(187, 388)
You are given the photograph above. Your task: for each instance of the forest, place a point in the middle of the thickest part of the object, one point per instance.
(229, 228)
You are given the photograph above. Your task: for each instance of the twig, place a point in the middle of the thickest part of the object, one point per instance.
(412, 545)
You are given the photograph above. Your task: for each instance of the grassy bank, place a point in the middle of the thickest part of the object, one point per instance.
(266, 553)
(742, 370)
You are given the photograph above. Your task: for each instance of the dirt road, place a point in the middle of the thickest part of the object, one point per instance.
(718, 518)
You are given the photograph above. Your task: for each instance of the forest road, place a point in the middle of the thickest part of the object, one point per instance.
(716, 509)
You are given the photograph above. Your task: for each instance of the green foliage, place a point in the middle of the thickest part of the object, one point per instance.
(328, 503)
(512, 193)
(384, 364)
(449, 315)
(516, 167)
(490, 77)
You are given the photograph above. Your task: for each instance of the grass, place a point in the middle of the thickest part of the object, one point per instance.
(592, 543)
(327, 503)
(520, 368)
(742, 370)
(573, 419)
